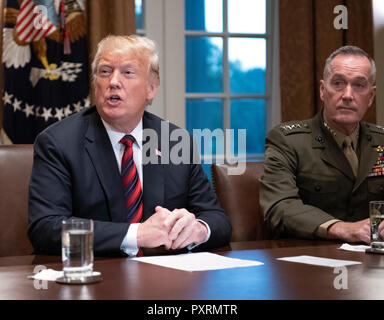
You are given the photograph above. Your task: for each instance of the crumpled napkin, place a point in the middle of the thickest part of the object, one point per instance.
(355, 248)
(53, 275)
(47, 274)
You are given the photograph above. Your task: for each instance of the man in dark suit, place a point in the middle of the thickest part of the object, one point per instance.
(80, 165)
(321, 173)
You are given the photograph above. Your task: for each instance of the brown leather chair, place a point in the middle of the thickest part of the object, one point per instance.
(15, 170)
(238, 195)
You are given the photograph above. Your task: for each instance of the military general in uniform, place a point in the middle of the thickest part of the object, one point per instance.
(321, 173)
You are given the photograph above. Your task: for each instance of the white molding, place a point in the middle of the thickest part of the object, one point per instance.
(174, 68)
(154, 29)
(274, 115)
(164, 23)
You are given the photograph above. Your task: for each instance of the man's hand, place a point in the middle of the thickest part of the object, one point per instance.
(173, 230)
(351, 231)
(154, 231)
(186, 229)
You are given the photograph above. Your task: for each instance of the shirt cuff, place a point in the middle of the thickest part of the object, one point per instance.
(129, 244)
(322, 230)
(194, 245)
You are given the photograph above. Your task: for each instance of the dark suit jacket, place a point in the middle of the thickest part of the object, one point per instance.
(75, 173)
(308, 180)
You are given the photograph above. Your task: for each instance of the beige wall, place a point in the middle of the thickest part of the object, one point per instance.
(378, 12)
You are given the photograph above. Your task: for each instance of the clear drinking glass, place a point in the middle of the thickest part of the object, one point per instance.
(376, 215)
(77, 248)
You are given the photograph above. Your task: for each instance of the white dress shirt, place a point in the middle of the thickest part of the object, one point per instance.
(129, 244)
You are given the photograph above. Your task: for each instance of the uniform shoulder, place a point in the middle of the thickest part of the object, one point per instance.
(373, 127)
(294, 127)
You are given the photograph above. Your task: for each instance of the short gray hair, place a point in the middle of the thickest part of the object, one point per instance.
(350, 51)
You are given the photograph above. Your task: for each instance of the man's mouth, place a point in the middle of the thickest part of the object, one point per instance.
(347, 108)
(114, 98)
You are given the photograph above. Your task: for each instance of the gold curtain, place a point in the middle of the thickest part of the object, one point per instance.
(109, 17)
(307, 38)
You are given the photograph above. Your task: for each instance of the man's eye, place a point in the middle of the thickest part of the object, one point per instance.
(338, 84)
(359, 86)
(104, 71)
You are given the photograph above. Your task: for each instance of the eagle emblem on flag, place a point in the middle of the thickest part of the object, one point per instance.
(45, 60)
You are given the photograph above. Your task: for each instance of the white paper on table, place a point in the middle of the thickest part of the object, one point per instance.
(199, 261)
(324, 262)
(356, 248)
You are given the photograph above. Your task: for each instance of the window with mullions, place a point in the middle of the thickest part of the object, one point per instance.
(139, 13)
(227, 63)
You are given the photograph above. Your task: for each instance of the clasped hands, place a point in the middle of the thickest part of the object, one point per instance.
(172, 229)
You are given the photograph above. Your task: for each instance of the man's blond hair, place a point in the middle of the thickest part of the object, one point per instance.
(142, 46)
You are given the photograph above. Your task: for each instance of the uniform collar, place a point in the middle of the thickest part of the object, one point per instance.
(339, 137)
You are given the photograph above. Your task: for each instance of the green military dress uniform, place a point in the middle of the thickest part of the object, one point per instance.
(308, 180)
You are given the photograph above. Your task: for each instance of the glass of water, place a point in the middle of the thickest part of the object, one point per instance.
(77, 248)
(376, 215)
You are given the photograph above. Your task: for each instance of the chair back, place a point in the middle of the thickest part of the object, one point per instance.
(15, 170)
(238, 195)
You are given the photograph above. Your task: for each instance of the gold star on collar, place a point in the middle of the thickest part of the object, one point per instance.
(329, 129)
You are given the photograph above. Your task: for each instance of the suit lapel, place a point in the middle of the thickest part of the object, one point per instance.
(99, 149)
(153, 174)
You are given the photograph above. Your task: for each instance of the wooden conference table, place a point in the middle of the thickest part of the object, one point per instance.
(276, 279)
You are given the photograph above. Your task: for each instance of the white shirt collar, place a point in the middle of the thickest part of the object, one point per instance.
(115, 136)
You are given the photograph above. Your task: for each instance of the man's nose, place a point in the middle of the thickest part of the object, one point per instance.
(115, 79)
(348, 92)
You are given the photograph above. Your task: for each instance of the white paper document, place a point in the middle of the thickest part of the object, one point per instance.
(317, 261)
(200, 261)
(355, 248)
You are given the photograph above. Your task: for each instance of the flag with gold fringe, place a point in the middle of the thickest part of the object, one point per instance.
(45, 65)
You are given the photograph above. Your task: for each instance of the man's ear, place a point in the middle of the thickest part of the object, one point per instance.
(372, 95)
(322, 88)
(152, 87)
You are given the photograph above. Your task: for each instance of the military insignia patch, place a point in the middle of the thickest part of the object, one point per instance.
(294, 127)
(378, 168)
(45, 65)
